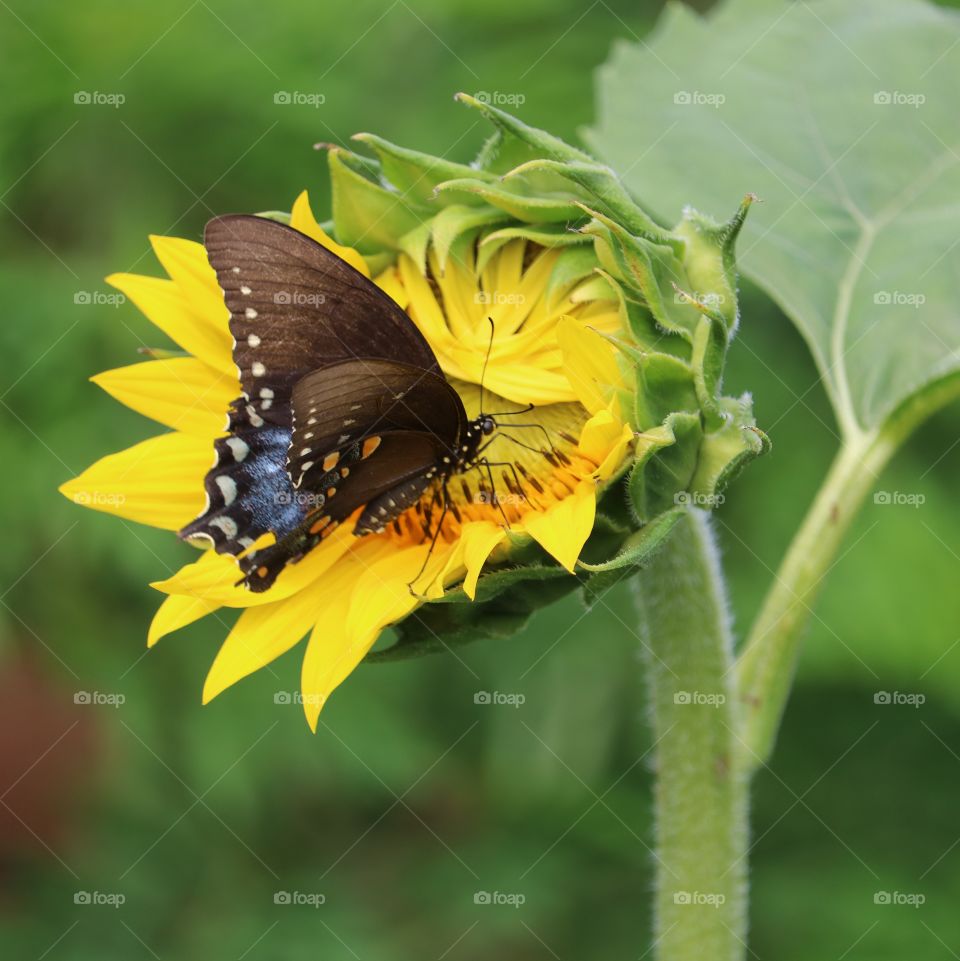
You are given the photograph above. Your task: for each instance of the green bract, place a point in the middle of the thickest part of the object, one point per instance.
(678, 303)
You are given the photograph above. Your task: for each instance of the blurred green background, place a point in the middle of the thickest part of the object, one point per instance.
(411, 798)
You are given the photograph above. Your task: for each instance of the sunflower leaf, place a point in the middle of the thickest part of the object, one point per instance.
(842, 118)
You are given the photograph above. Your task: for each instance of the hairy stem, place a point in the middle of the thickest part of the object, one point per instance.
(701, 796)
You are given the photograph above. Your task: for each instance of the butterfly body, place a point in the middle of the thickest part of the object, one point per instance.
(344, 408)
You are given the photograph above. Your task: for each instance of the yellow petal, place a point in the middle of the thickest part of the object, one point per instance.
(302, 219)
(425, 311)
(379, 596)
(328, 641)
(563, 528)
(214, 577)
(589, 363)
(262, 634)
(389, 282)
(186, 263)
(182, 393)
(177, 612)
(527, 384)
(611, 463)
(157, 482)
(164, 304)
(480, 539)
(604, 440)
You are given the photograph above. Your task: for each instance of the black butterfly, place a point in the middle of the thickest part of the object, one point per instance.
(343, 402)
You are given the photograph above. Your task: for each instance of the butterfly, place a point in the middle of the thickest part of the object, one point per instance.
(343, 405)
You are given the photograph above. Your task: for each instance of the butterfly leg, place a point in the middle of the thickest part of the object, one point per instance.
(436, 534)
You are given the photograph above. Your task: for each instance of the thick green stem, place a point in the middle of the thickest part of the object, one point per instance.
(701, 796)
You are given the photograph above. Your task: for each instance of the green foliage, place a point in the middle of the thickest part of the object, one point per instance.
(516, 798)
(841, 117)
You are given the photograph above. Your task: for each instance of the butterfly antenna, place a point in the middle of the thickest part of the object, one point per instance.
(486, 360)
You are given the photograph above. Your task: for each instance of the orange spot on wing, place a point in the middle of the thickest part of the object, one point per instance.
(319, 525)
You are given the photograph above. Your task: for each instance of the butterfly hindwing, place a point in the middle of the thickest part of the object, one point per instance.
(248, 488)
(400, 457)
(355, 401)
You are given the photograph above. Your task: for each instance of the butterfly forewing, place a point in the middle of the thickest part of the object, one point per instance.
(295, 306)
(343, 407)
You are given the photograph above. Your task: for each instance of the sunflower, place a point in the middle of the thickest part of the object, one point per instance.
(550, 300)
(547, 351)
